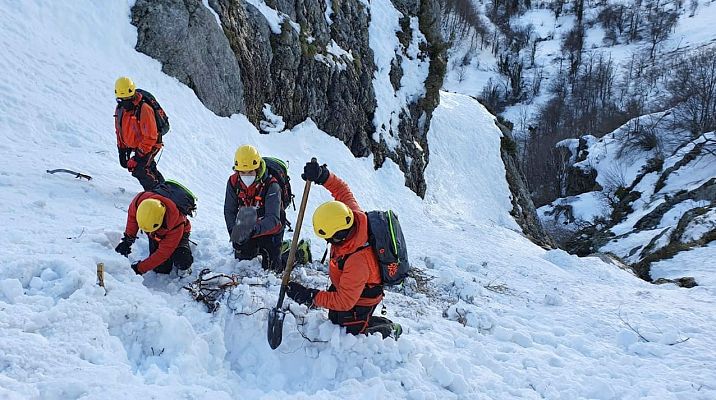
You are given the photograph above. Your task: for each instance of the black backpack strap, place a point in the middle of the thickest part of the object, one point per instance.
(138, 109)
(342, 261)
(136, 202)
(267, 181)
(370, 292)
(119, 113)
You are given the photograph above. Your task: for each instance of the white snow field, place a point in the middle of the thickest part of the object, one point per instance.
(500, 318)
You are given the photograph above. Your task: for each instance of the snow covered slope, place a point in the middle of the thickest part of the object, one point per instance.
(498, 317)
(472, 66)
(654, 202)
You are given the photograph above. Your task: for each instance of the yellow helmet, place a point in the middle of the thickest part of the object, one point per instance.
(331, 217)
(150, 215)
(124, 88)
(247, 158)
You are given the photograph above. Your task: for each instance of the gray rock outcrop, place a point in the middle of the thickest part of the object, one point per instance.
(286, 63)
(185, 37)
(523, 209)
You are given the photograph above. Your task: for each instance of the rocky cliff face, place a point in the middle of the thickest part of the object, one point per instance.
(185, 38)
(305, 59)
(523, 209)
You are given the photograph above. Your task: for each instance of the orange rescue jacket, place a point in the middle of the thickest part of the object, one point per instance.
(360, 264)
(168, 236)
(139, 134)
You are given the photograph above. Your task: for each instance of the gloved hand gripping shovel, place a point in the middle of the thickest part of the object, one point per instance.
(276, 315)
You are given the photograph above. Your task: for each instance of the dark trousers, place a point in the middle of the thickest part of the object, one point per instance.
(268, 246)
(146, 171)
(360, 319)
(181, 258)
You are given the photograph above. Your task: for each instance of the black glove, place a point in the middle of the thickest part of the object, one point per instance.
(301, 294)
(124, 157)
(125, 246)
(135, 268)
(315, 173)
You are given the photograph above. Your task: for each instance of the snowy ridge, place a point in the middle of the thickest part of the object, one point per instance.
(499, 317)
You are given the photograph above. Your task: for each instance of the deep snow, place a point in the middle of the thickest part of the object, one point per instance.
(500, 318)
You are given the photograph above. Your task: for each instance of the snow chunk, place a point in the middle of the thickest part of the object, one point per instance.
(12, 289)
(36, 283)
(48, 275)
(274, 17)
(273, 122)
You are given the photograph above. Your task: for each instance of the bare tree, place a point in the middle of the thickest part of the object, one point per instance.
(692, 86)
(660, 21)
(693, 5)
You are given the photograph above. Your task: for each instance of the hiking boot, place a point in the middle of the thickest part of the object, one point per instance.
(303, 252)
(392, 329)
(397, 331)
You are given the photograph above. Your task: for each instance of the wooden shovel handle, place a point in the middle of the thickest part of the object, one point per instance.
(294, 242)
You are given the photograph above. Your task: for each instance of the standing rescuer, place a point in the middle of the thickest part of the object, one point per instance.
(138, 140)
(356, 286)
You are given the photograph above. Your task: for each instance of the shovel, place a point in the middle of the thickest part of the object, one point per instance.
(276, 315)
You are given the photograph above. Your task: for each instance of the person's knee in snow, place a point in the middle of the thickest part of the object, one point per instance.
(354, 270)
(163, 217)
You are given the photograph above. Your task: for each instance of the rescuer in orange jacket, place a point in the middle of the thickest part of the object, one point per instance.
(168, 231)
(356, 286)
(136, 129)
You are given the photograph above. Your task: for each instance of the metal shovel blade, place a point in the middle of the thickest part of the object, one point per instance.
(275, 327)
(276, 315)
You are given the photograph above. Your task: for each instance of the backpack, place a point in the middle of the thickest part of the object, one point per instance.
(182, 197)
(159, 115)
(385, 236)
(279, 170)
